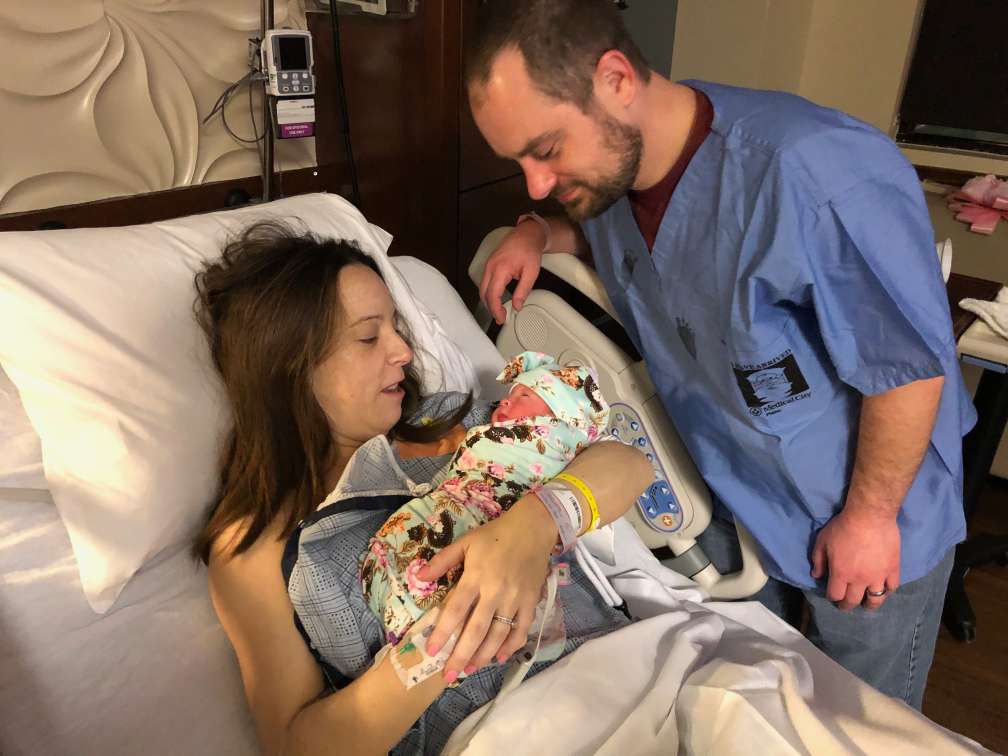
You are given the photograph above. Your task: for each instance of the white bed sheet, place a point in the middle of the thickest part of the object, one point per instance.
(695, 676)
(156, 676)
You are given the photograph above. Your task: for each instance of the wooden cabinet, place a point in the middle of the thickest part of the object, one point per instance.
(426, 174)
(401, 79)
(492, 190)
(478, 164)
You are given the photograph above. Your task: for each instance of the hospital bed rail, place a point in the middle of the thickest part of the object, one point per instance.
(676, 508)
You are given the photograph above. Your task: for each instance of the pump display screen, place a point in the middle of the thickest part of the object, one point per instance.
(293, 53)
(287, 62)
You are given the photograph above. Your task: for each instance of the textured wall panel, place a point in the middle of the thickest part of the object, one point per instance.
(102, 99)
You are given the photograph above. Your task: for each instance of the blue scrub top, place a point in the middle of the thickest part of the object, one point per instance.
(794, 271)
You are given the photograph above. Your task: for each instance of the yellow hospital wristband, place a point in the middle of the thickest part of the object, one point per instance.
(589, 498)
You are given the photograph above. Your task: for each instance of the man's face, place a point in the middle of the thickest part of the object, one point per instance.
(586, 161)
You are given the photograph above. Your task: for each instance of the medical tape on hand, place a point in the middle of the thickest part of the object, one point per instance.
(410, 659)
(565, 509)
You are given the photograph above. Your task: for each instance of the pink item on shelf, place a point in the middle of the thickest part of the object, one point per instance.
(1001, 196)
(981, 221)
(979, 189)
(982, 202)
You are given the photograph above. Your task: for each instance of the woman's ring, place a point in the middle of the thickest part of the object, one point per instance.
(506, 620)
(877, 594)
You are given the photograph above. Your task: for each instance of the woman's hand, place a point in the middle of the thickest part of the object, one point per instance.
(505, 566)
(506, 561)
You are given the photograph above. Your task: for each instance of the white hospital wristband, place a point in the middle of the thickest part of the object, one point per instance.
(565, 509)
(542, 222)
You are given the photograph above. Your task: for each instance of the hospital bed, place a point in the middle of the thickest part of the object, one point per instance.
(110, 418)
(676, 508)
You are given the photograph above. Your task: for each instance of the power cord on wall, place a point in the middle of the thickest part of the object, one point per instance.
(255, 130)
(253, 77)
(277, 156)
(355, 196)
(221, 104)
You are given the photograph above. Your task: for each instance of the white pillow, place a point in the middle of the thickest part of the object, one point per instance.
(100, 340)
(429, 286)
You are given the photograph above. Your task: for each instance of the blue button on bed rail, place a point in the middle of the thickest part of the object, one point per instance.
(660, 507)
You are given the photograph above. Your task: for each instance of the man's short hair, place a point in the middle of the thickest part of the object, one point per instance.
(561, 41)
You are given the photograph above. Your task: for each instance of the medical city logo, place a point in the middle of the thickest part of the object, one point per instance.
(768, 387)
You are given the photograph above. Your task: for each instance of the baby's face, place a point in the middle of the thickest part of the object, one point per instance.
(521, 403)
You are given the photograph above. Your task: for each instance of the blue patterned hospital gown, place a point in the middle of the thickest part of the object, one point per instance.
(321, 569)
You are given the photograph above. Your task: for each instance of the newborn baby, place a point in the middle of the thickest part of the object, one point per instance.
(550, 414)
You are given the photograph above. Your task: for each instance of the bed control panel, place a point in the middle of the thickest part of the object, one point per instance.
(658, 504)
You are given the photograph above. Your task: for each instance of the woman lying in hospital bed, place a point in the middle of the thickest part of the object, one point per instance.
(352, 361)
(305, 336)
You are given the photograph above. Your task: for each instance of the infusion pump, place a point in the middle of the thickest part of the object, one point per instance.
(287, 60)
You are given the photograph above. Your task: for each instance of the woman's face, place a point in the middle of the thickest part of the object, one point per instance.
(357, 384)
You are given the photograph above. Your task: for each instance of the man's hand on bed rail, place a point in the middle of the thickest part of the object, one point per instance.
(506, 563)
(518, 258)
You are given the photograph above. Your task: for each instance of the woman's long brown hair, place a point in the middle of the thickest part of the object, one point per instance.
(269, 308)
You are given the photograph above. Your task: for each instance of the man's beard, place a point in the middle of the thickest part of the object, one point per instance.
(626, 144)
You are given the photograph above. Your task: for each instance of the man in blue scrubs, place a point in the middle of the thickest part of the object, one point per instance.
(774, 262)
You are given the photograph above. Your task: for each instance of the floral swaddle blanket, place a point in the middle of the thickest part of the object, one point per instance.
(494, 466)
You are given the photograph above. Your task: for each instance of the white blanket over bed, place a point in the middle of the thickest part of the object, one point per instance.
(692, 677)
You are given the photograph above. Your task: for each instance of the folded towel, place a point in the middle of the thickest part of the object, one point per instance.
(994, 314)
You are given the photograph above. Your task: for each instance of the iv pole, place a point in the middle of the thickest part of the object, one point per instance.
(266, 22)
(266, 19)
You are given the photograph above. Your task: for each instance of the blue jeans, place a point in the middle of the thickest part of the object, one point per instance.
(891, 648)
